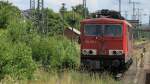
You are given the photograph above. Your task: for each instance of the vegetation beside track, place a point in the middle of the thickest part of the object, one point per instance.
(67, 77)
(23, 51)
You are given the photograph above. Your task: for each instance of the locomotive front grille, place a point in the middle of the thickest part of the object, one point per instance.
(89, 52)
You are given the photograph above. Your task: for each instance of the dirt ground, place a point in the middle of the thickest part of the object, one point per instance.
(141, 65)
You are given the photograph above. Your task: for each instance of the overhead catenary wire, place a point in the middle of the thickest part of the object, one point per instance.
(134, 8)
(39, 16)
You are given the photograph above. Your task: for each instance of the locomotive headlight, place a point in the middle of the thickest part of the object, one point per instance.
(115, 52)
(84, 52)
(89, 52)
(120, 52)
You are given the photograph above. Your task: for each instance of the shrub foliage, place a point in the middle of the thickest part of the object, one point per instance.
(22, 50)
(55, 52)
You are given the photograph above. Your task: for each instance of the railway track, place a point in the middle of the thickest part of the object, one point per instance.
(138, 73)
(133, 68)
(133, 74)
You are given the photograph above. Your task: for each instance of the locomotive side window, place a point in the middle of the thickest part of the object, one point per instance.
(113, 30)
(93, 30)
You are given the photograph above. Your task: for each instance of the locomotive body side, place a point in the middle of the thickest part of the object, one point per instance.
(99, 49)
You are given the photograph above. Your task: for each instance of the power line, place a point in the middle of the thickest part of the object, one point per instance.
(32, 13)
(125, 13)
(32, 4)
(149, 19)
(39, 15)
(40, 4)
(134, 8)
(139, 13)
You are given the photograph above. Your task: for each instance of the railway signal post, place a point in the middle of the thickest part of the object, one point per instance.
(62, 11)
(84, 8)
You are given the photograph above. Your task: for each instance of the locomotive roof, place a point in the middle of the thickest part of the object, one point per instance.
(104, 20)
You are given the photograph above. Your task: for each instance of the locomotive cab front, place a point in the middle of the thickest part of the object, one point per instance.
(104, 43)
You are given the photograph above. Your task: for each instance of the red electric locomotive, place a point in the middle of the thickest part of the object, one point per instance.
(106, 43)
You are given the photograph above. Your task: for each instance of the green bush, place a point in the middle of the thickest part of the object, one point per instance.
(8, 13)
(21, 47)
(15, 54)
(55, 52)
(40, 49)
(16, 60)
(67, 51)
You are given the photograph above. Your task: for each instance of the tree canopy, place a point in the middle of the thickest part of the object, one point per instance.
(74, 16)
(8, 12)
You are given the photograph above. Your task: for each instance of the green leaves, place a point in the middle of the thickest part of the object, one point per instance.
(55, 52)
(7, 13)
(15, 55)
(22, 49)
(16, 60)
(73, 19)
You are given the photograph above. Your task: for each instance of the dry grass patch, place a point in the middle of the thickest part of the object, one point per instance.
(67, 77)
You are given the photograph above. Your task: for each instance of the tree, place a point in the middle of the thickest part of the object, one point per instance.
(7, 13)
(80, 10)
(54, 23)
(73, 19)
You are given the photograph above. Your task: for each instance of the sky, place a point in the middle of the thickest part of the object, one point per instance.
(93, 5)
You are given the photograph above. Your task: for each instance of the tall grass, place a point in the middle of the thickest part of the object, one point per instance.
(67, 77)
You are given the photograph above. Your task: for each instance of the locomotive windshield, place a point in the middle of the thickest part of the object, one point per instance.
(113, 30)
(93, 30)
(103, 30)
